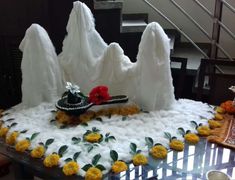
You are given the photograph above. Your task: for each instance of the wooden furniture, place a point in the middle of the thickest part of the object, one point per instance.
(215, 77)
(179, 75)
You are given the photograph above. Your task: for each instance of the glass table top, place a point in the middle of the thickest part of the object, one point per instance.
(193, 163)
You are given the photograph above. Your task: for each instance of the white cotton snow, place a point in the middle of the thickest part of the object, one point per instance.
(134, 129)
(41, 75)
(88, 61)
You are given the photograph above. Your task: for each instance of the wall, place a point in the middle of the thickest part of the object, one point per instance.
(138, 6)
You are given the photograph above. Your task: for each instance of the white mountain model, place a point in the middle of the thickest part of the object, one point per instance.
(88, 61)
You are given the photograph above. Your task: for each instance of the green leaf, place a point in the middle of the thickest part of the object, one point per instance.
(181, 131)
(74, 139)
(202, 117)
(11, 119)
(84, 124)
(173, 138)
(62, 150)
(53, 120)
(68, 159)
(112, 138)
(13, 124)
(158, 144)
(76, 155)
(86, 167)
(94, 129)
(188, 131)
(145, 111)
(100, 167)
(96, 159)
(63, 126)
(167, 135)
(200, 124)
(149, 142)
(49, 142)
(109, 116)
(89, 149)
(99, 119)
(133, 147)
(138, 151)
(124, 118)
(107, 134)
(194, 124)
(24, 131)
(53, 111)
(34, 135)
(27, 139)
(41, 143)
(114, 155)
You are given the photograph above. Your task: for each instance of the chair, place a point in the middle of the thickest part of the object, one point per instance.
(216, 76)
(179, 74)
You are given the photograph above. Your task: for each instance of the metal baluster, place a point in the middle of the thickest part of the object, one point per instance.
(191, 19)
(177, 28)
(227, 29)
(204, 8)
(228, 6)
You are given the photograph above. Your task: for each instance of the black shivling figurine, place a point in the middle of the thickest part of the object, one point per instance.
(75, 102)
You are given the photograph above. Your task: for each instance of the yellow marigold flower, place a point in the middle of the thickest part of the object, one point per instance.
(1, 111)
(38, 152)
(220, 110)
(93, 174)
(11, 139)
(114, 110)
(22, 145)
(158, 152)
(191, 138)
(119, 166)
(139, 159)
(102, 112)
(86, 116)
(93, 137)
(63, 118)
(203, 130)
(214, 124)
(124, 111)
(177, 145)
(218, 117)
(4, 131)
(70, 168)
(51, 160)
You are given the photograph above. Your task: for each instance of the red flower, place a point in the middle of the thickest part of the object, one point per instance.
(99, 95)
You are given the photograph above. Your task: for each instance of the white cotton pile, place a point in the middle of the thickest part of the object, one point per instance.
(133, 129)
(88, 61)
(41, 75)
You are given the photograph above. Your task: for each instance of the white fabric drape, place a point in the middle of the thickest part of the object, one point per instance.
(41, 74)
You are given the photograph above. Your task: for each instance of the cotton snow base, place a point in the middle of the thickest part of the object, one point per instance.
(132, 129)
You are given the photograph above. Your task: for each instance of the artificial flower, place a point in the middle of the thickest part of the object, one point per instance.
(4, 131)
(214, 124)
(139, 159)
(218, 117)
(51, 160)
(191, 138)
(87, 116)
(22, 145)
(177, 145)
(93, 137)
(114, 110)
(102, 112)
(228, 107)
(63, 117)
(70, 168)
(220, 110)
(203, 130)
(119, 166)
(38, 152)
(72, 88)
(99, 95)
(11, 139)
(93, 174)
(158, 152)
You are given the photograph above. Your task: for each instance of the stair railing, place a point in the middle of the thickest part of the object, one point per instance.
(217, 24)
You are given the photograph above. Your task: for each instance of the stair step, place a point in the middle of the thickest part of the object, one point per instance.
(133, 26)
(101, 4)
